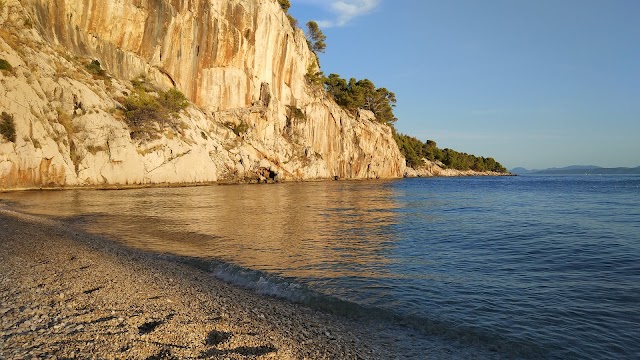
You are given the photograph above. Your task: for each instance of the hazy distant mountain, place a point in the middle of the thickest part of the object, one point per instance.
(578, 170)
(574, 167)
(520, 171)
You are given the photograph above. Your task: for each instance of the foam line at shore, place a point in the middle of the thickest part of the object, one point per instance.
(95, 286)
(69, 294)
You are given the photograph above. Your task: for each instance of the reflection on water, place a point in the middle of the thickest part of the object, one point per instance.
(299, 229)
(534, 267)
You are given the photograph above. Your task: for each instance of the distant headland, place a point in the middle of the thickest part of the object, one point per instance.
(579, 170)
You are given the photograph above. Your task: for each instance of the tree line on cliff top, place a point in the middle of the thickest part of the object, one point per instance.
(352, 94)
(415, 151)
(356, 94)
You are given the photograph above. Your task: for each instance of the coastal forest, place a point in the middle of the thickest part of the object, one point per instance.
(415, 151)
(354, 94)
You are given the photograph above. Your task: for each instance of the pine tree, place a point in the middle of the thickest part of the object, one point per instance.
(284, 4)
(316, 37)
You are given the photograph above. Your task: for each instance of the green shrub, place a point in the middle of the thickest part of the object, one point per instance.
(240, 128)
(362, 94)
(237, 129)
(147, 111)
(141, 83)
(293, 21)
(314, 76)
(296, 113)
(141, 107)
(284, 4)
(8, 127)
(173, 100)
(4, 65)
(95, 68)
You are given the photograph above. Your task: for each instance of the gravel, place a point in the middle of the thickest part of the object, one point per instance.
(68, 294)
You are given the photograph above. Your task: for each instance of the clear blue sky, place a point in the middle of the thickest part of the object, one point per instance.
(533, 83)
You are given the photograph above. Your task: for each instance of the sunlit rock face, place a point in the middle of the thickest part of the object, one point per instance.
(438, 169)
(239, 62)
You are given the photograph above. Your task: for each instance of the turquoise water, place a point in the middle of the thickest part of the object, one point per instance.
(522, 267)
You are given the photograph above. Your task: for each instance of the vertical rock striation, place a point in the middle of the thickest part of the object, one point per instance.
(239, 62)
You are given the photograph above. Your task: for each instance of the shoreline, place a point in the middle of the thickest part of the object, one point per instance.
(69, 294)
(229, 183)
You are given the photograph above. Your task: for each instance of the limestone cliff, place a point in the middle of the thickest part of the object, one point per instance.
(239, 62)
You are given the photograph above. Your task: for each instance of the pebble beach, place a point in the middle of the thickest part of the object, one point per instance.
(68, 294)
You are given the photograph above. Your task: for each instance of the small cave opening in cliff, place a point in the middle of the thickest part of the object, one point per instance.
(266, 175)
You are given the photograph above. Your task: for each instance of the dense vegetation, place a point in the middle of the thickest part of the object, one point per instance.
(96, 69)
(316, 38)
(8, 127)
(363, 94)
(146, 108)
(285, 5)
(4, 65)
(415, 150)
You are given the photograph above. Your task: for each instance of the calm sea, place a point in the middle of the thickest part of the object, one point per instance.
(511, 267)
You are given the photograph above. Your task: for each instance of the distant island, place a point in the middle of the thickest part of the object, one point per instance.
(579, 170)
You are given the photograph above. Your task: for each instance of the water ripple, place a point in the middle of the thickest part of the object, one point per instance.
(531, 267)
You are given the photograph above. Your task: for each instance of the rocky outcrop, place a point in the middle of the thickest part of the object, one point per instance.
(437, 169)
(239, 62)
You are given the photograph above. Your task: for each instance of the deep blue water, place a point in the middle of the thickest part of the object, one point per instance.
(522, 267)
(550, 264)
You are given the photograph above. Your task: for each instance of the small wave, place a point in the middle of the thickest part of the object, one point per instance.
(258, 282)
(291, 290)
(288, 289)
